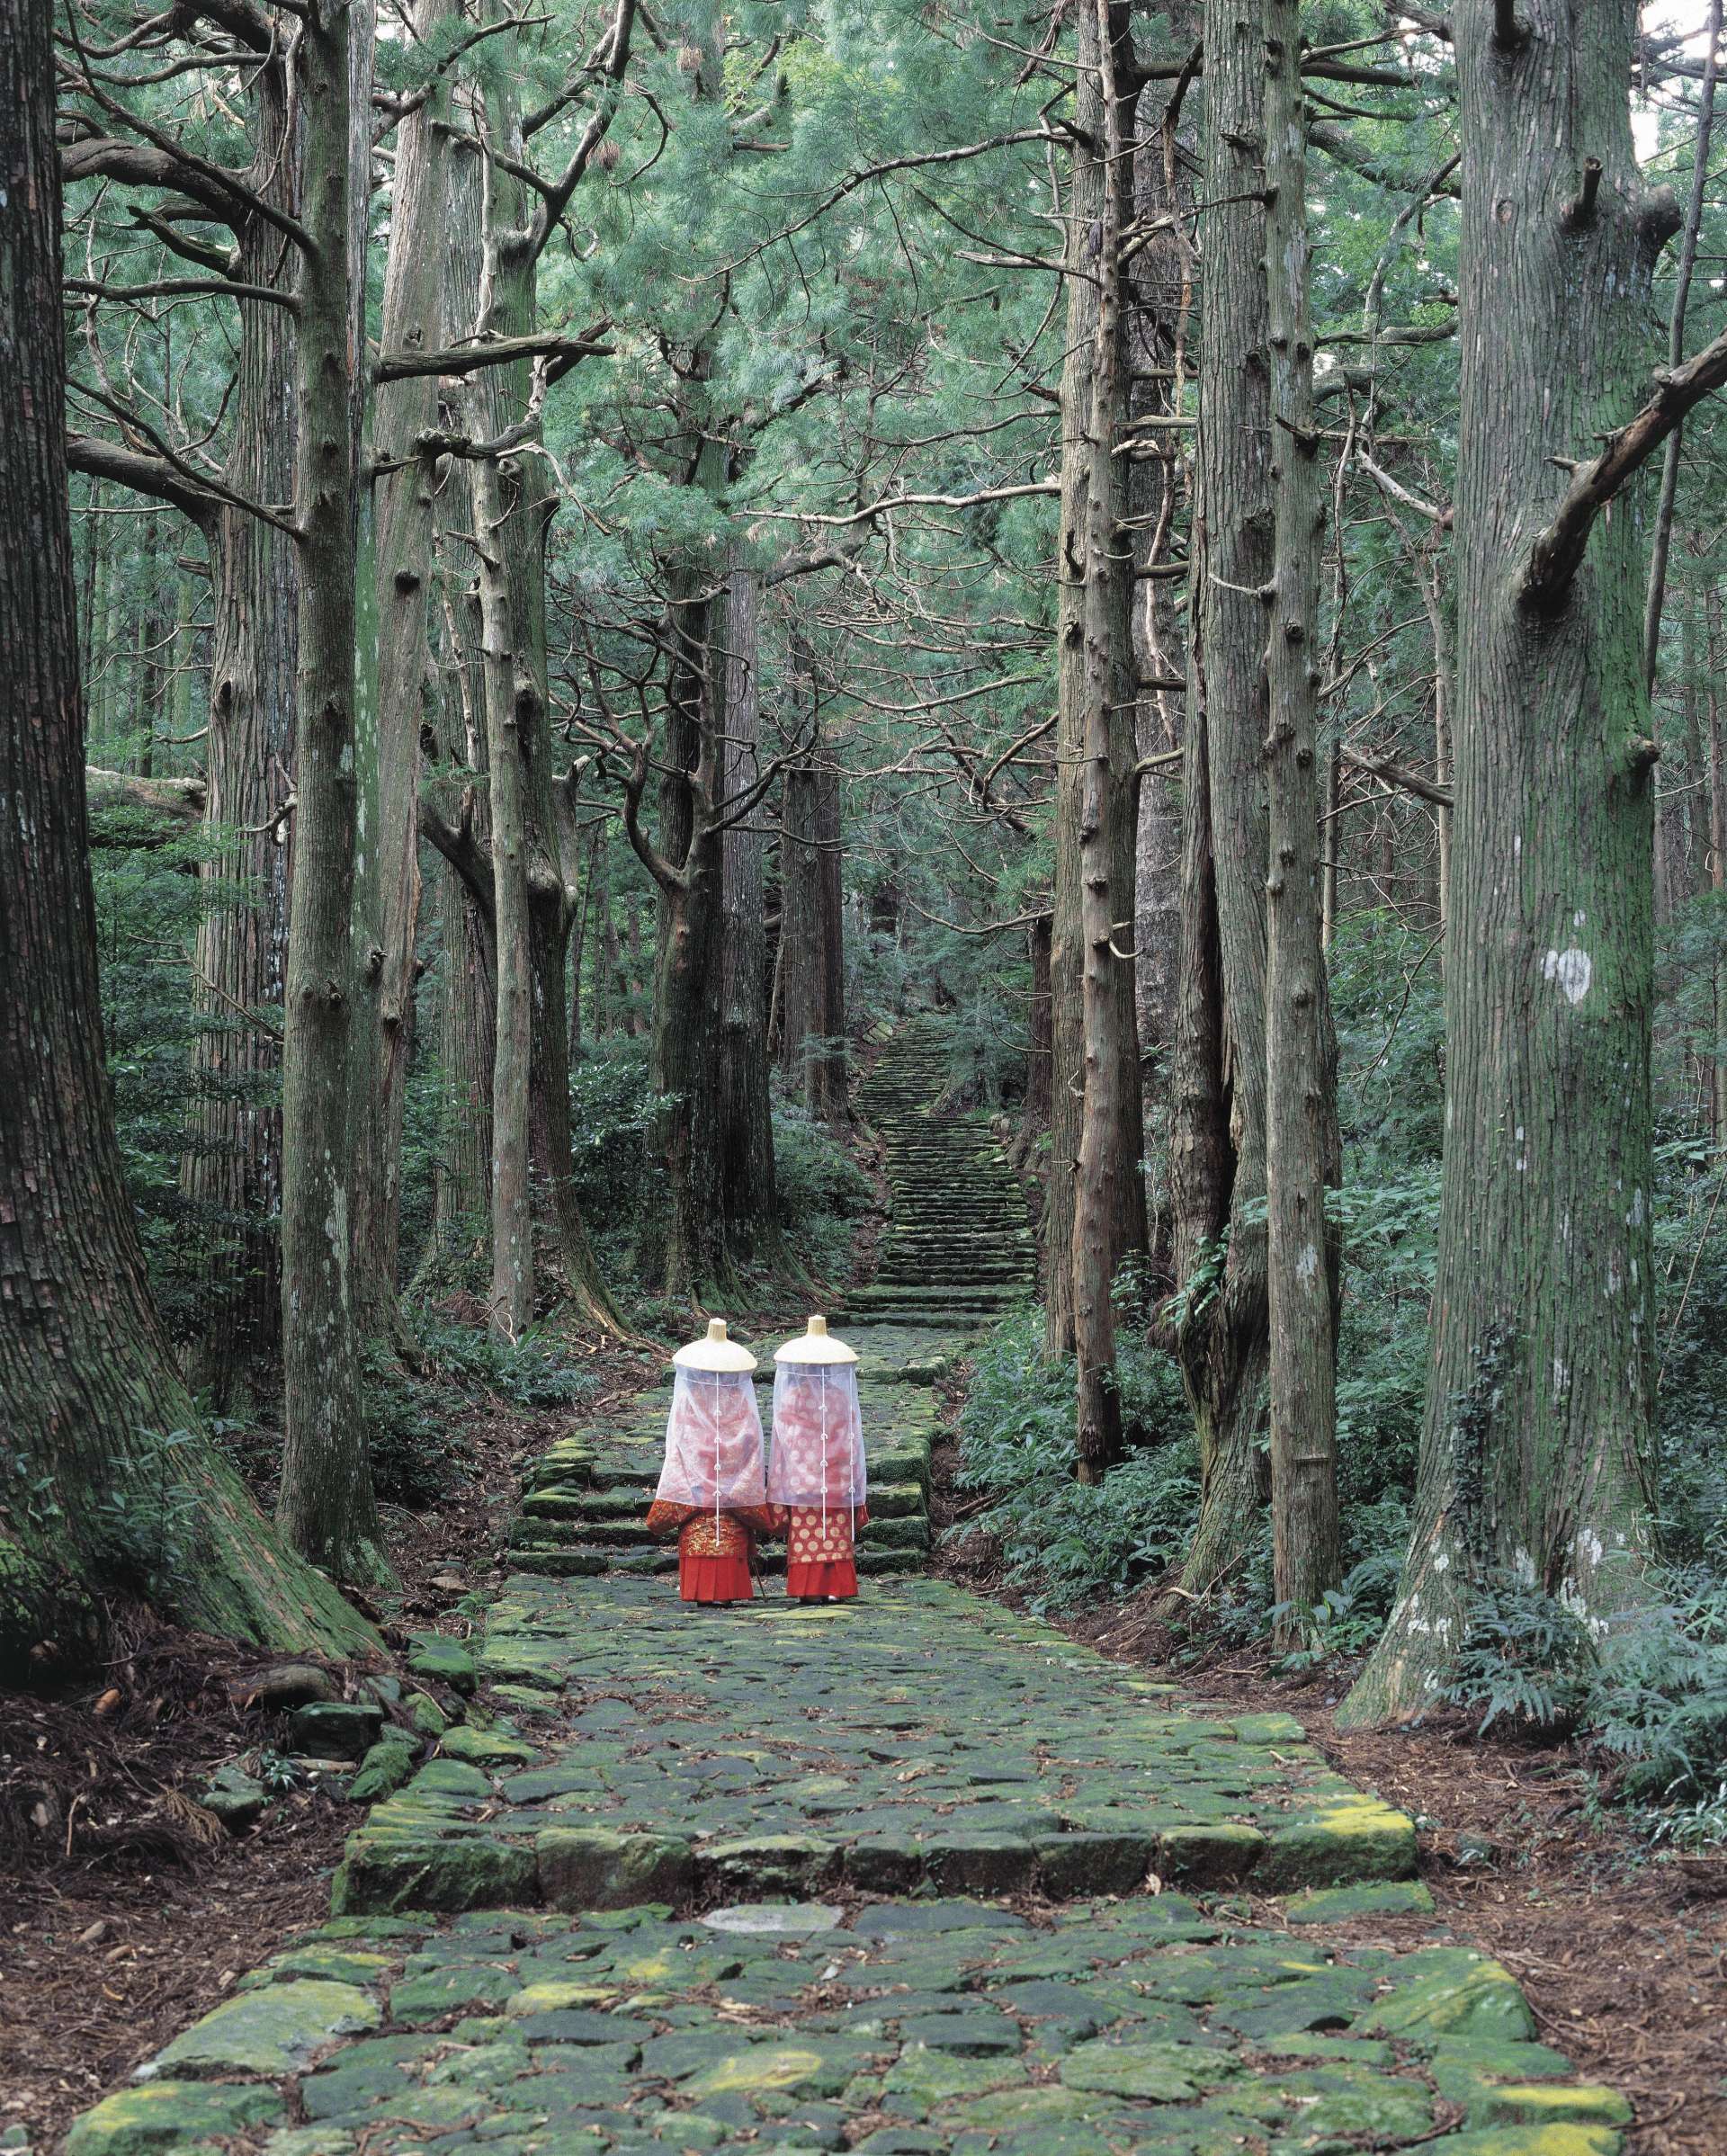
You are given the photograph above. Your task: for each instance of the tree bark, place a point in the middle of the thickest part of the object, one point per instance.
(231, 1170)
(829, 1097)
(327, 1504)
(1218, 1120)
(1104, 683)
(109, 1487)
(1094, 666)
(1302, 1143)
(508, 695)
(388, 908)
(747, 1201)
(1535, 1455)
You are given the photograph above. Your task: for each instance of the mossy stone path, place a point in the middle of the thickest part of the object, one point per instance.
(982, 1894)
(920, 1737)
(1151, 2024)
(985, 1890)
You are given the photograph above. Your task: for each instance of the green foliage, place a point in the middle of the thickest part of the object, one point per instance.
(822, 1192)
(1525, 1658)
(1349, 1617)
(1064, 1539)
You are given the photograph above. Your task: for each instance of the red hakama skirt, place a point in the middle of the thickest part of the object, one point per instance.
(819, 1557)
(714, 1551)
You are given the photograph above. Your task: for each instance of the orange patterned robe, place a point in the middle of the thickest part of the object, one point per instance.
(819, 1557)
(715, 1550)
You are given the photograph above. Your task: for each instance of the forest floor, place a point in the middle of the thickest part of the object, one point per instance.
(129, 1909)
(1622, 1954)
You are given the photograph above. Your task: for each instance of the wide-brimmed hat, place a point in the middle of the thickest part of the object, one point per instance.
(716, 1350)
(815, 1345)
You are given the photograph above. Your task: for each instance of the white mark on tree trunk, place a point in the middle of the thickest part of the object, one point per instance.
(1571, 969)
(1307, 1265)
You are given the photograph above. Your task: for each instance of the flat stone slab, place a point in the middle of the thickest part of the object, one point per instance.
(1152, 2024)
(775, 1919)
(919, 1737)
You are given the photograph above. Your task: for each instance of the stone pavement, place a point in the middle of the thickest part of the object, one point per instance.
(984, 1892)
(910, 1875)
(921, 1737)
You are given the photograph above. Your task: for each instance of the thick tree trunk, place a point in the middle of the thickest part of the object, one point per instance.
(326, 1503)
(745, 1147)
(108, 1488)
(1218, 1133)
(1302, 1146)
(1095, 663)
(507, 694)
(1110, 1103)
(1536, 1454)
(232, 1167)
(514, 312)
(387, 909)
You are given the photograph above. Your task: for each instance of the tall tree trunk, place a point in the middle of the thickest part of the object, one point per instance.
(326, 1503)
(231, 1170)
(512, 309)
(829, 1094)
(1159, 298)
(1104, 106)
(748, 1199)
(1218, 1136)
(387, 909)
(1302, 1146)
(1536, 1451)
(108, 1487)
(508, 693)
(1095, 664)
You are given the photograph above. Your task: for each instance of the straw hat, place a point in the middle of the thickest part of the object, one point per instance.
(818, 1344)
(717, 1352)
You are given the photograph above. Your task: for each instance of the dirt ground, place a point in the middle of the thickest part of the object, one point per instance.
(1622, 1956)
(126, 1910)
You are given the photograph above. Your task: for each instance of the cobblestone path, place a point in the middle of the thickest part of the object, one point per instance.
(914, 1875)
(911, 1874)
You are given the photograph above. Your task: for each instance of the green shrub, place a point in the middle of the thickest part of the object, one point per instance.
(1067, 1540)
(821, 1190)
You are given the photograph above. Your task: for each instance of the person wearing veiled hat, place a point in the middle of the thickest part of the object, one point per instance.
(816, 1478)
(711, 1492)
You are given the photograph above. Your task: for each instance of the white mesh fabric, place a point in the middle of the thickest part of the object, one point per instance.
(818, 1455)
(714, 1441)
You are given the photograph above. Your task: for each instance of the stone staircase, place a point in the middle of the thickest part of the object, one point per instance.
(958, 1247)
(956, 1250)
(588, 1495)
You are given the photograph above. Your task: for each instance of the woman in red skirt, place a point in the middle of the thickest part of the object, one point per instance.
(816, 1479)
(711, 1492)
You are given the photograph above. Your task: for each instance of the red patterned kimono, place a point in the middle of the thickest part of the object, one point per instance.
(716, 1552)
(817, 1476)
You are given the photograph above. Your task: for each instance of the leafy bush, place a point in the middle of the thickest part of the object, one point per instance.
(1064, 1539)
(821, 1190)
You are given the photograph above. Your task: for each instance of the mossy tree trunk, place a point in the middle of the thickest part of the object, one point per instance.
(1218, 1112)
(109, 1487)
(327, 1504)
(1302, 1145)
(1537, 1455)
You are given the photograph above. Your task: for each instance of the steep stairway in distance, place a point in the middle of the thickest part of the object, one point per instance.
(957, 1248)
